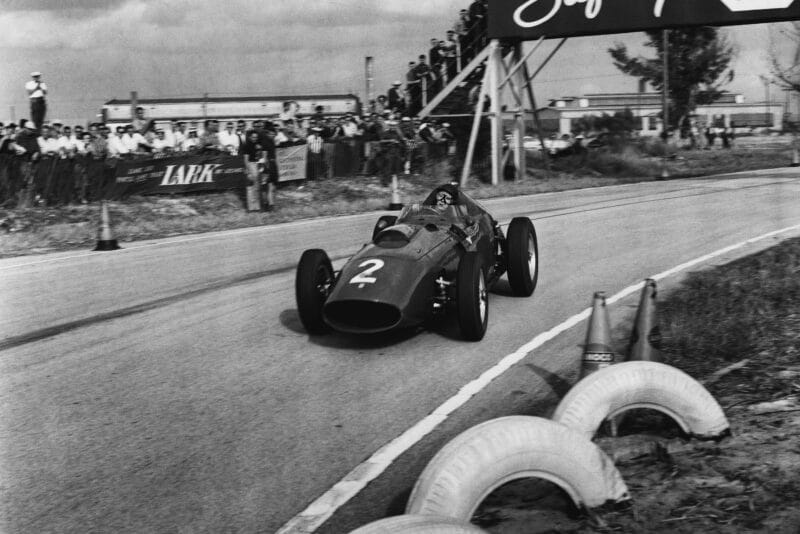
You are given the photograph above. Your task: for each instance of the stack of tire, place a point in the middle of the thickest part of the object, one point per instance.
(560, 450)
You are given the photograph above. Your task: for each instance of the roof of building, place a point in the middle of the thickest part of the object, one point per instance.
(186, 100)
(606, 100)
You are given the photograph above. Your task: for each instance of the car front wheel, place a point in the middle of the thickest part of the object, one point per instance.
(472, 297)
(313, 284)
(522, 256)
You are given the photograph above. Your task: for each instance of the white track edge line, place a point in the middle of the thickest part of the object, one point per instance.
(322, 508)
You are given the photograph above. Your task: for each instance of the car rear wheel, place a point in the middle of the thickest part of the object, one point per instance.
(522, 256)
(385, 221)
(312, 286)
(472, 297)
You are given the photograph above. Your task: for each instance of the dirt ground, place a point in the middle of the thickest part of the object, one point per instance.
(747, 482)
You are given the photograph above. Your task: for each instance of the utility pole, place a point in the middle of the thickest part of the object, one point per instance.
(665, 88)
(665, 101)
(368, 73)
(134, 103)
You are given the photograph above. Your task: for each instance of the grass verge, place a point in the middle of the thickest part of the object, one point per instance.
(745, 312)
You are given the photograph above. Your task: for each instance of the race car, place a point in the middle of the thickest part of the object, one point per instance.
(437, 257)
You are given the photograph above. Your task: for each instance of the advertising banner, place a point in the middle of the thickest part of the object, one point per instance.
(291, 162)
(179, 174)
(532, 19)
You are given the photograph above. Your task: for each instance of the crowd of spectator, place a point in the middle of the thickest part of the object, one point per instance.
(52, 163)
(431, 72)
(61, 164)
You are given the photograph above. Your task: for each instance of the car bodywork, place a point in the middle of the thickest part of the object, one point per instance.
(402, 277)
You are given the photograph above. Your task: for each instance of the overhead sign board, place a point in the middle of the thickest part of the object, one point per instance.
(532, 19)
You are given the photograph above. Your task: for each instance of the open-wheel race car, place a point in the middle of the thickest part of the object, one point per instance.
(437, 257)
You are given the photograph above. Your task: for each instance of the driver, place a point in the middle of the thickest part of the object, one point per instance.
(443, 199)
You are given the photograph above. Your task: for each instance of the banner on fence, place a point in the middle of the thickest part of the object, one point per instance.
(291, 162)
(179, 174)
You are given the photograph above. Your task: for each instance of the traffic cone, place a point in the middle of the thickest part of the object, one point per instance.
(795, 158)
(105, 238)
(664, 172)
(395, 204)
(597, 352)
(645, 343)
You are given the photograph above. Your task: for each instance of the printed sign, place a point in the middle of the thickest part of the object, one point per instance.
(532, 19)
(179, 174)
(291, 162)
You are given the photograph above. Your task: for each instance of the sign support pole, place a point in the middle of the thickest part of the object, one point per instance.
(493, 73)
(519, 126)
(473, 136)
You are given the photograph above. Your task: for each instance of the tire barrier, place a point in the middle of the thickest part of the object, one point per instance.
(481, 459)
(640, 384)
(418, 524)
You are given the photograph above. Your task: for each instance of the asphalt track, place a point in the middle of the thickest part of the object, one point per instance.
(169, 387)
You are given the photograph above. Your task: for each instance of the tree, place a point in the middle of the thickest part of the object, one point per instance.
(698, 62)
(787, 72)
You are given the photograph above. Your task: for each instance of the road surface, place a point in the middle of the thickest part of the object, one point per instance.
(169, 386)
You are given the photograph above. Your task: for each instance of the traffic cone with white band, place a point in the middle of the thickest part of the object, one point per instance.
(395, 204)
(105, 238)
(597, 352)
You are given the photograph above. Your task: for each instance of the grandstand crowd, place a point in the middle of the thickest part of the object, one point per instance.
(50, 163)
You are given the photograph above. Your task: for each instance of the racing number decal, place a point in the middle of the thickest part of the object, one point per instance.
(363, 277)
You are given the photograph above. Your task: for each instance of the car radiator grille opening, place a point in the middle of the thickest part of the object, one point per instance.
(361, 315)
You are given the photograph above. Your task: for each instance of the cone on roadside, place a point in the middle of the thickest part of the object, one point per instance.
(664, 172)
(105, 237)
(395, 203)
(645, 342)
(597, 352)
(795, 158)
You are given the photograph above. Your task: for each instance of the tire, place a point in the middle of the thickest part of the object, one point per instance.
(384, 221)
(418, 524)
(472, 297)
(478, 461)
(522, 256)
(312, 286)
(641, 384)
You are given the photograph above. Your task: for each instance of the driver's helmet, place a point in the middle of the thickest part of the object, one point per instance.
(442, 197)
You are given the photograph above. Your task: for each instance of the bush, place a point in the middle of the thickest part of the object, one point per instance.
(627, 162)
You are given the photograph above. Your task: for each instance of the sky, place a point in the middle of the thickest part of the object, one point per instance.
(90, 51)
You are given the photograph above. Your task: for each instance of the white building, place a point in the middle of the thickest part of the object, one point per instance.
(729, 111)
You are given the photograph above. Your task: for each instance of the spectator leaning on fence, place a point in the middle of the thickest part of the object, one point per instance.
(135, 141)
(160, 145)
(316, 162)
(48, 143)
(209, 139)
(229, 140)
(27, 150)
(192, 142)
